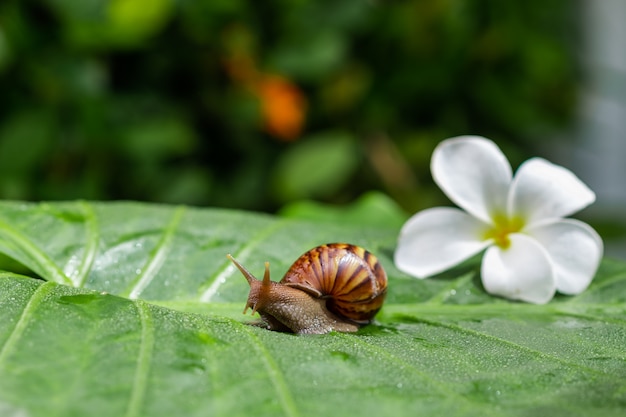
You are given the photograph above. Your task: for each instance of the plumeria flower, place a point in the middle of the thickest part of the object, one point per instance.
(532, 251)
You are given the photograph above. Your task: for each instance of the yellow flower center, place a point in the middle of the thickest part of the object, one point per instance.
(502, 227)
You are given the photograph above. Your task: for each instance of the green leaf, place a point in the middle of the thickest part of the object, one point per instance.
(140, 315)
(105, 23)
(372, 208)
(316, 166)
(5, 50)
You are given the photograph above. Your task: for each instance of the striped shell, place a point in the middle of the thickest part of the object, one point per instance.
(349, 277)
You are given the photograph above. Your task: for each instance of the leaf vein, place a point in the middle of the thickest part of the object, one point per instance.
(407, 365)
(92, 241)
(511, 344)
(50, 270)
(144, 360)
(441, 296)
(36, 298)
(156, 260)
(275, 374)
(228, 269)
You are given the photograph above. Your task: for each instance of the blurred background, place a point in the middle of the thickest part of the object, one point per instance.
(273, 105)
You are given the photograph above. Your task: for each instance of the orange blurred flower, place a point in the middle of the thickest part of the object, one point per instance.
(283, 104)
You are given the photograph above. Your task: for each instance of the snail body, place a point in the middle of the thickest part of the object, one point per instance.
(333, 287)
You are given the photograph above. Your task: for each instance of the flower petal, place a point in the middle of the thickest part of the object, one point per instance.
(523, 271)
(436, 239)
(542, 190)
(473, 173)
(575, 249)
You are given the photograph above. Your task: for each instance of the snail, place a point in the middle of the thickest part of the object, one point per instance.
(332, 287)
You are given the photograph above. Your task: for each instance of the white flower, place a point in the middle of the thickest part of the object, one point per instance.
(531, 249)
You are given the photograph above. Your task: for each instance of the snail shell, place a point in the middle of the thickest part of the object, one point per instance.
(337, 286)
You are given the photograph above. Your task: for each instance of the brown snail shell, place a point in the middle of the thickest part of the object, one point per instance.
(337, 286)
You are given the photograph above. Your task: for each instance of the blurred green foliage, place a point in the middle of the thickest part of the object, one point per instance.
(163, 100)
